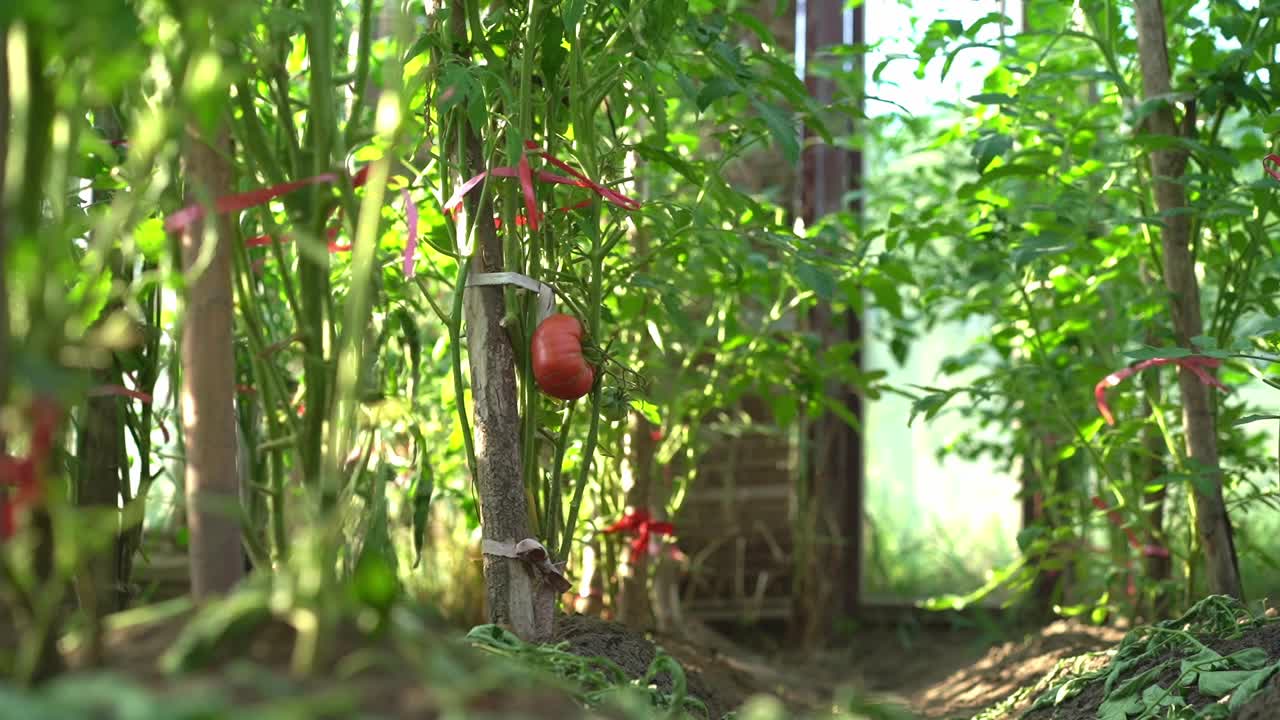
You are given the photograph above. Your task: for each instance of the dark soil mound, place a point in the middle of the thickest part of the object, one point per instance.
(1216, 654)
(592, 637)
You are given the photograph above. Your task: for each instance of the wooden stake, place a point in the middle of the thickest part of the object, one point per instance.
(208, 378)
(1168, 166)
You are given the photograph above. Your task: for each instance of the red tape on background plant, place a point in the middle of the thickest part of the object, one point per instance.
(26, 474)
(411, 223)
(1114, 517)
(1271, 166)
(641, 525)
(238, 202)
(525, 174)
(1194, 363)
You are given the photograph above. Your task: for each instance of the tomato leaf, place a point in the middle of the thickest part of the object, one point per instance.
(782, 128)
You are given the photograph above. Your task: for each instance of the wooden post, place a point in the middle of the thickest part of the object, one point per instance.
(504, 519)
(828, 174)
(208, 377)
(1168, 166)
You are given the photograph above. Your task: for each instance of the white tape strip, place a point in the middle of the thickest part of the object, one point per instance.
(532, 552)
(546, 296)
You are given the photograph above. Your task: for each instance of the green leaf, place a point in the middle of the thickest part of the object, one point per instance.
(420, 496)
(991, 99)
(886, 294)
(1270, 327)
(1254, 418)
(375, 581)
(572, 16)
(676, 314)
(1206, 659)
(929, 405)
(1028, 535)
(151, 239)
(782, 128)
(715, 89)
(1150, 353)
(1035, 248)
(989, 147)
(553, 51)
(648, 410)
(1245, 691)
(1216, 683)
(759, 29)
(1156, 696)
(233, 617)
(1204, 483)
(1249, 658)
(418, 47)
(820, 281)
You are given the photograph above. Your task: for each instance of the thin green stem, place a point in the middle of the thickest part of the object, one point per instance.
(362, 70)
(554, 501)
(455, 355)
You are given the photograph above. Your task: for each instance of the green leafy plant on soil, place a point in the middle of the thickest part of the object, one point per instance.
(1176, 669)
(598, 680)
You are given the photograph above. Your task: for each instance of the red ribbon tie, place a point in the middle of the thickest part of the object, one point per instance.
(641, 525)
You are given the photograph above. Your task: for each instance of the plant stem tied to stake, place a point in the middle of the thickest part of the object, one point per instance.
(1168, 165)
(510, 582)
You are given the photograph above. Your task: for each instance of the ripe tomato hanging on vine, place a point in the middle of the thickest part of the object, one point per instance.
(559, 367)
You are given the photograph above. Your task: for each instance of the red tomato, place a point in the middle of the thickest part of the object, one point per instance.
(558, 365)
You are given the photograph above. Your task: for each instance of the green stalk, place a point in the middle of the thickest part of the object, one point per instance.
(362, 70)
(554, 503)
(314, 274)
(284, 113)
(455, 356)
(359, 308)
(594, 307)
(263, 158)
(273, 395)
(583, 113)
(254, 137)
(1046, 364)
(251, 314)
(529, 434)
(588, 456)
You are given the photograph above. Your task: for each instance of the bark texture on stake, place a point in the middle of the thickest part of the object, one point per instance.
(504, 517)
(1168, 166)
(208, 378)
(509, 583)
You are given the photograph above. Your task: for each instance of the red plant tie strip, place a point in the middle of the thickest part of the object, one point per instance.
(331, 233)
(120, 391)
(1115, 518)
(25, 474)
(640, 524)
(1271, 164)
(252, 198)
(1194, 363)
(411, 241)
(526, 186)
(526, 177)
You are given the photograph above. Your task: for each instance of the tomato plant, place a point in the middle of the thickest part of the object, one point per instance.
(558, 365)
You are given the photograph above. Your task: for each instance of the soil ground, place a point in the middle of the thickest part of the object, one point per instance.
(939, 673)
